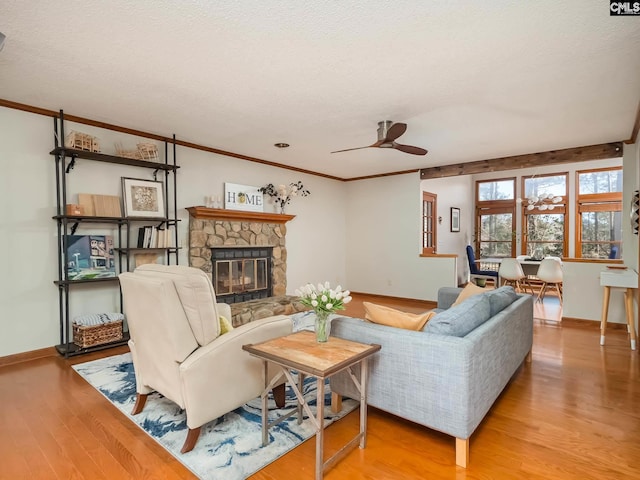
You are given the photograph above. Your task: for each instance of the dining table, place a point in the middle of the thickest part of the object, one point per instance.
(529, 265)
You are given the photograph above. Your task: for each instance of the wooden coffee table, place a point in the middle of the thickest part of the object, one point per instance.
(301, 352)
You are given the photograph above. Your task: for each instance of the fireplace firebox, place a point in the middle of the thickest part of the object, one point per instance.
(241, 274)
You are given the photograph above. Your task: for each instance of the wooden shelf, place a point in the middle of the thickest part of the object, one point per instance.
(86, 280)
(238, 215)
(102, 157)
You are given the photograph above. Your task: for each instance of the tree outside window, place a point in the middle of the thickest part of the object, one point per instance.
(599, 213)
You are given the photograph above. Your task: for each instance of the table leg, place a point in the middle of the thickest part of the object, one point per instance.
(628, 300)
(300, 389)
(265, 409)
(605, 311)
(320, 431)
(363, 402)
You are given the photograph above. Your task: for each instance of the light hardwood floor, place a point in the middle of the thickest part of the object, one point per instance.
(573, 413)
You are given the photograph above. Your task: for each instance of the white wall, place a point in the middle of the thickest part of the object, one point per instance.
(28, 243)
(454, 192)
(363, 234)
(583, 294)
(384, 240)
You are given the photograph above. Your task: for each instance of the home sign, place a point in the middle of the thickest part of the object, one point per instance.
(242, 197)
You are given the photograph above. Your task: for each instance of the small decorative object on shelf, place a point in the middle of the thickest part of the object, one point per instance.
(144, 151)
(74, 209)
(82, 141)
(282, 194)
(324, 300)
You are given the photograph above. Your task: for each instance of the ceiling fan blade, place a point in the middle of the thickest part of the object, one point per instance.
(409, 149)
(395, 131)
(357, 148)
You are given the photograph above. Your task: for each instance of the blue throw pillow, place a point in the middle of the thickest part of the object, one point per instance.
(501, 298)
(463, 318)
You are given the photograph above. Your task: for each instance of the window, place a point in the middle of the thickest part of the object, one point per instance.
(495, 208)
(429, 222)
(599, 219)
(544, 214)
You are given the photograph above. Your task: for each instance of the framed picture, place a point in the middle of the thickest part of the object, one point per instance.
(455, 219)
(143, 198)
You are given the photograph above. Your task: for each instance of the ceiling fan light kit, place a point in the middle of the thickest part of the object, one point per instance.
(388, 132)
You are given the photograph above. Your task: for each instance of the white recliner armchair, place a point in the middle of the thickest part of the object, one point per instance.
(178, 351)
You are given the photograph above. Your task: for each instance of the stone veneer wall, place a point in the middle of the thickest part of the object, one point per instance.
(205, 234)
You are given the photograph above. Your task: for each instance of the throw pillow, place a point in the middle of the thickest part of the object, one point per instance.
(458, 321)
(225, 325)
(395, 318)
(469, 290)
(501, 298)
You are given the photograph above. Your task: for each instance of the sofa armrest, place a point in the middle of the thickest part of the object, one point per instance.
(447, 296)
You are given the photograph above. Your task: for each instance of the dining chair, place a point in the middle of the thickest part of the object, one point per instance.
(511, 273)
(475, 272)
(550, 273)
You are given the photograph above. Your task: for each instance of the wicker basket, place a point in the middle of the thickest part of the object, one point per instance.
(89, 336)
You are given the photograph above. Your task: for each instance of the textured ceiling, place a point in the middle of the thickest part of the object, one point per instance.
(473, 80)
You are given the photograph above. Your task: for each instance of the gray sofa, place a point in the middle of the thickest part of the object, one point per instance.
(443, 377)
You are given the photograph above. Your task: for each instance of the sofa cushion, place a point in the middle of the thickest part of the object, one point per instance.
(470, 290)
(196, 295)
(501, 298)
(395, 318)
(463, 318)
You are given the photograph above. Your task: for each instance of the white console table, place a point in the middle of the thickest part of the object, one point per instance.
(619, 278)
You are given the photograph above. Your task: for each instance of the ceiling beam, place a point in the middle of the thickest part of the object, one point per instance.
(552, 157)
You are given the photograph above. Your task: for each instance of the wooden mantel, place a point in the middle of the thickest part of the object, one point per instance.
(238, 215)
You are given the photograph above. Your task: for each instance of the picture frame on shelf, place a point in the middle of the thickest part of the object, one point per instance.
(143, 198)
(455, 219)
(90, 257)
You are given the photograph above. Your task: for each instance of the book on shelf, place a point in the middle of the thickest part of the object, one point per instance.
(156, 237)
(141, 233)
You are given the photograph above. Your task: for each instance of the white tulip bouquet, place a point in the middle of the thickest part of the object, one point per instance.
(324, 300)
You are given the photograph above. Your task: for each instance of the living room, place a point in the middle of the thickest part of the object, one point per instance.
(364, 234)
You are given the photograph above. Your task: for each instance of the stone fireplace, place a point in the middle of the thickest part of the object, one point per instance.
(233, 233)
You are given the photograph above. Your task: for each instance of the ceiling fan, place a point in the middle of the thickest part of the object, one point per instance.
(387, 134)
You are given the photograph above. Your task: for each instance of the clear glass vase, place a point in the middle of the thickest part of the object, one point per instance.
(323, 326)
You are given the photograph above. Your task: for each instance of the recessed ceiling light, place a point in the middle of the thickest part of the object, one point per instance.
(281, 145)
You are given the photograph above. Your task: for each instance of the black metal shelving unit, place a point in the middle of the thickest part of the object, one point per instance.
(65, 161)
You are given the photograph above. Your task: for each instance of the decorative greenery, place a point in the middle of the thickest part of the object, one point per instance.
(323, 298)
(283, 194)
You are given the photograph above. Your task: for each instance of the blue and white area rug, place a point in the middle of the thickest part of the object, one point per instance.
(230, 447)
